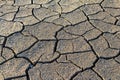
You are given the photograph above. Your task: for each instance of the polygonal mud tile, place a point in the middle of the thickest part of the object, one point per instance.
(19, 42)
(102, 49)
(8, 28)
(53, 71)
(42, 13)
(14, 67)
(77, 16)
(91, 9)
(42, 30)
(79, 29)
(75, 45)
(104, 16)
(108, 69)
(83, 60)
(22, 2)
(87, 75)
(111, 3)
(105, 27)
(42, 51)
(114, 41)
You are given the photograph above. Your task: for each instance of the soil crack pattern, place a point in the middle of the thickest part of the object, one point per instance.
(59, 39)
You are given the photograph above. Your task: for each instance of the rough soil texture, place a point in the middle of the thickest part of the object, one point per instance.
(59, 39)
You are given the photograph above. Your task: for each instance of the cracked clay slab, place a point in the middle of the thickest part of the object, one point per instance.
(59, 39)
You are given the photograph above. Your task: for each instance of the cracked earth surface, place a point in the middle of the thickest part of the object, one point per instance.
(59, 39)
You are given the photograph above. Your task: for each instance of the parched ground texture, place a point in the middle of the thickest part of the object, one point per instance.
(59, 39)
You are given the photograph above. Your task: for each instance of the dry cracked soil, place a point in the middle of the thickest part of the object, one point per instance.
(59, 39)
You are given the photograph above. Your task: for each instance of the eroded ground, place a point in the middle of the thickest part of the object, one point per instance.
(60, 39)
